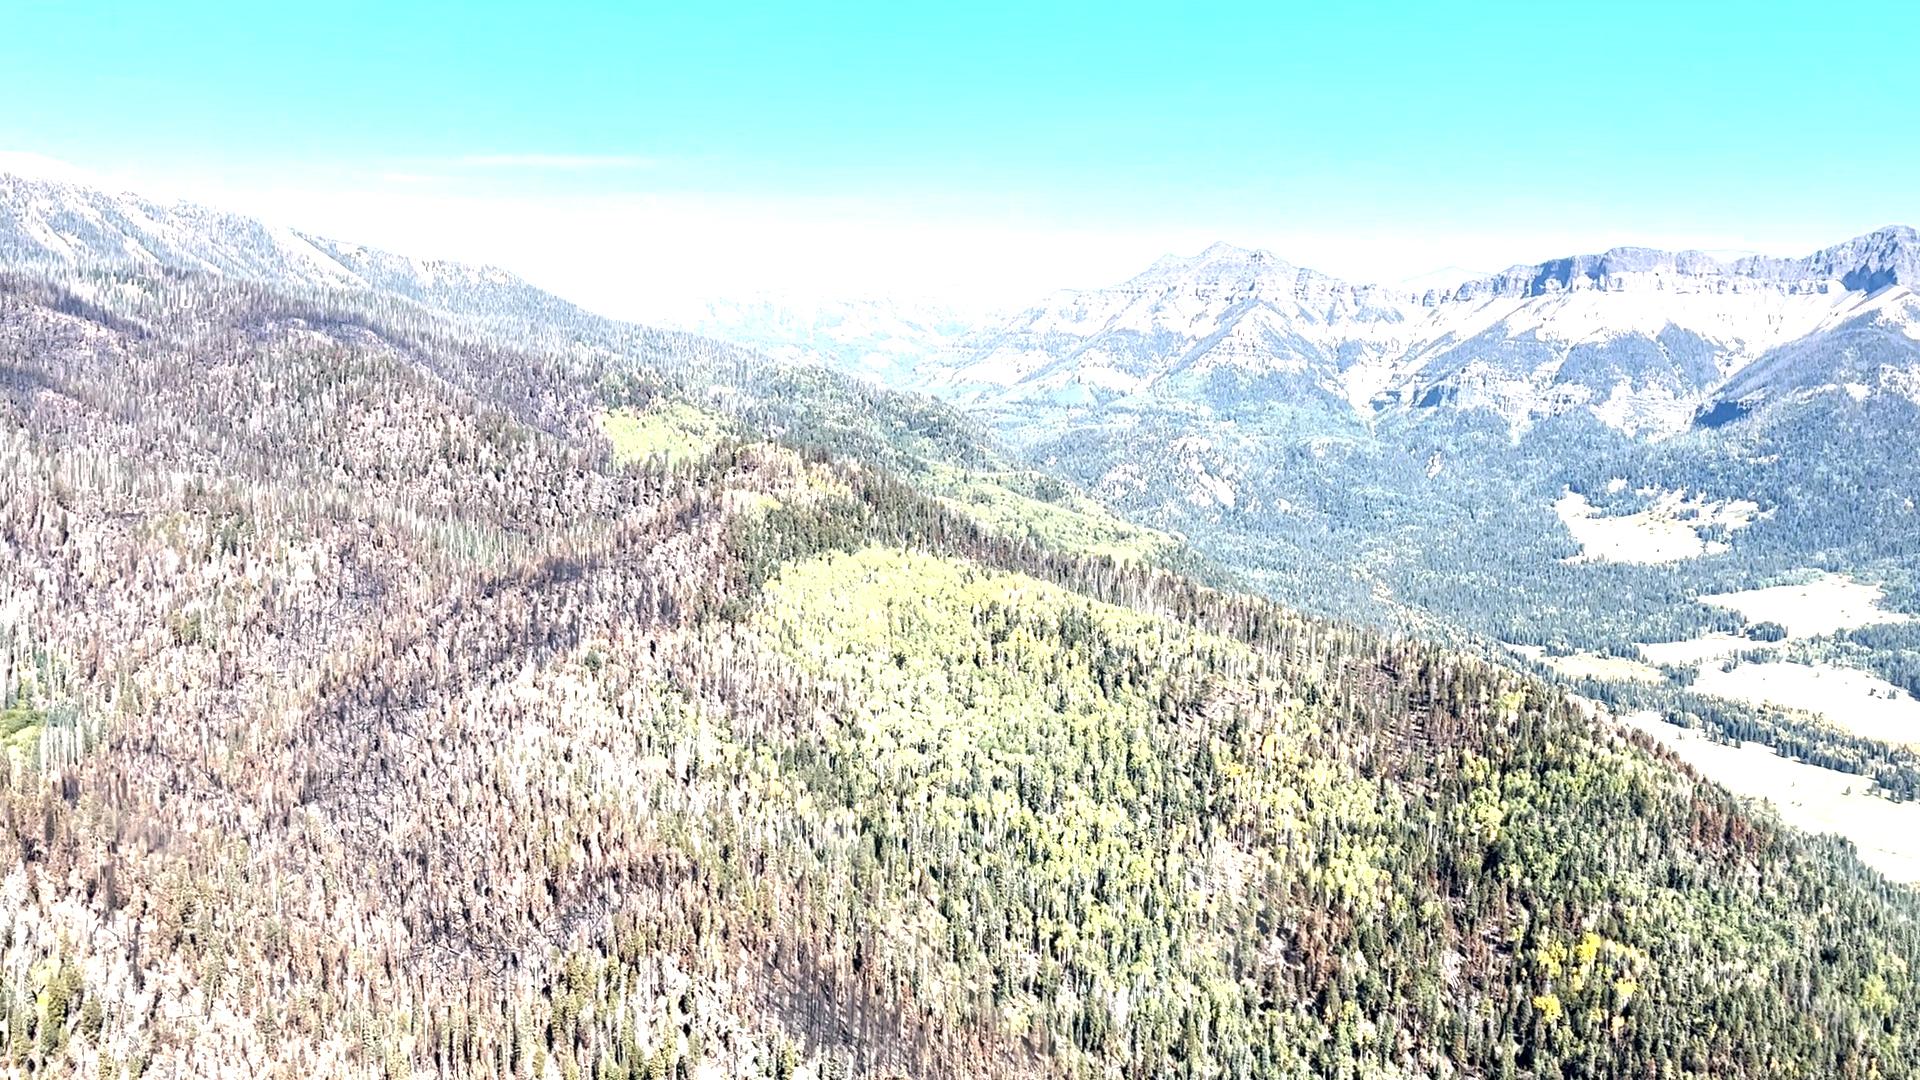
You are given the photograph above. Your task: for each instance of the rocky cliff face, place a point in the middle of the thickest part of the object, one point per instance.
(1889, 256)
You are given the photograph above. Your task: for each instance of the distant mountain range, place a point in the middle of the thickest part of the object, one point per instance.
(1647, 341)
(1643, 339)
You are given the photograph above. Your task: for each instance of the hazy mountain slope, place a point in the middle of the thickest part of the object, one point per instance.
(882, 341)
(53, 223)
(371, 728)
(64, 224)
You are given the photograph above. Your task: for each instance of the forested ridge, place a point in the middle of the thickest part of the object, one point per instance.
(382, 698)
(1445, 522)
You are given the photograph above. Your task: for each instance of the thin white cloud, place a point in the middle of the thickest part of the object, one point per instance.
(558, 162)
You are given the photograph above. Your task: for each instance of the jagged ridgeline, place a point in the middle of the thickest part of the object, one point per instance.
(383, 700)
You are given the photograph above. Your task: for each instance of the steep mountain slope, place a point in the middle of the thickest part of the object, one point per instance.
(1869, 349)
(371, 712)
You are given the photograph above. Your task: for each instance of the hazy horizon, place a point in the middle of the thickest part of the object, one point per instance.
(394, 224)
(676, 157)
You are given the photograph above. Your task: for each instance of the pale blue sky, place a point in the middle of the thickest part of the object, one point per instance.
(631, 151)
